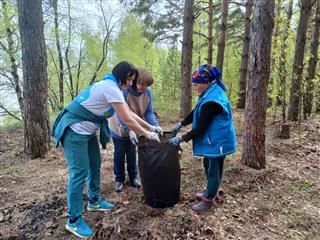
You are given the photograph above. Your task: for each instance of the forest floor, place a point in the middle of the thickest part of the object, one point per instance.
(279, 202)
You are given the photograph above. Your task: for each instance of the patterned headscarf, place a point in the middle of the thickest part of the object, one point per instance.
(205, 74)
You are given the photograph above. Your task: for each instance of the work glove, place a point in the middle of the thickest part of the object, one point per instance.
(176, 128)
(153, 136)
(157, 129)
(133, 137)
(176, 140)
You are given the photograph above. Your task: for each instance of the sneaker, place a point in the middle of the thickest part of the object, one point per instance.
(135, 183)
(79, 228)
(203, 205)
(199, 195)
(99, 206)
(118, 186)
(218, 196)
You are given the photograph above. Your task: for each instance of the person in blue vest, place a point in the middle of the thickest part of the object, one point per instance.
(139, 99)
(212, 131)
(76, 126)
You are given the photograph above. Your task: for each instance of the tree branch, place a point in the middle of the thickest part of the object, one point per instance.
(14, 115)
(201, 34)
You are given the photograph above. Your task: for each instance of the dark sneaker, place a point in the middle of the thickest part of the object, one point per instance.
(135, 183)
(118, 186)
(79, 228)
(203, 205)
(218, 196)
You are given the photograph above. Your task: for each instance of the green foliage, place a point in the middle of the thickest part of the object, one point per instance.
(3, 168)
(304, 185)
(170, 75)
(233, 169)
(130, 44)
(10, 123)
(161, 20)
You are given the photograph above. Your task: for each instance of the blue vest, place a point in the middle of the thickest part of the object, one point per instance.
(219, 139)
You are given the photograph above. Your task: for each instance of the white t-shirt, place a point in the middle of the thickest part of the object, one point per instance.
(97, 98)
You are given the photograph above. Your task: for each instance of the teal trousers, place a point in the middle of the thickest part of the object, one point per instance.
(214, 169)
(84, 162)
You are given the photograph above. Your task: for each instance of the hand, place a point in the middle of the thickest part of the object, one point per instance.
(153, 136)
(176, 140)
(157, 129)
(176, 128)
(133, 137)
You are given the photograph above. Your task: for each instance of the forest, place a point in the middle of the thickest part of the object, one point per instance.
(267, 51)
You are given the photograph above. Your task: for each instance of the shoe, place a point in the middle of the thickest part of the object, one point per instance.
(118, 186)
(135, 183)
(218, 196)
(99, 206)
(203, 205)
(79, 228)
(199, 195)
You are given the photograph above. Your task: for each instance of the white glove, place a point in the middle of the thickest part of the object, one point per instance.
(153, 136)
(133, 137)
(157, 129)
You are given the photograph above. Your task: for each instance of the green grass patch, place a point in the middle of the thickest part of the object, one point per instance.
(3, 167)
(10, 124)
(167, 110)
(233, 169)
(304, 185)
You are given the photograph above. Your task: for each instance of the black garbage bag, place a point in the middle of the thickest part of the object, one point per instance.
(160, 171)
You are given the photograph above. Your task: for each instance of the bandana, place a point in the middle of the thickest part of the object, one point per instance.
(205, 74)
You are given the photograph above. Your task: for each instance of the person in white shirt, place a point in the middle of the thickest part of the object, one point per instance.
(76, 127)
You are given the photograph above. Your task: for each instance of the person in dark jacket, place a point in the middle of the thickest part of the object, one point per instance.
(76, 127)
(212, 131)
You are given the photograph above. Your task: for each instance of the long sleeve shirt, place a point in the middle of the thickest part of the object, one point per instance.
(208, 111)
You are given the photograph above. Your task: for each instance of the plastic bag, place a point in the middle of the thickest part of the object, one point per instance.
(160, 171)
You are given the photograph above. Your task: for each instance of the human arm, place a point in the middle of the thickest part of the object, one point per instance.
(208, 111)
(148, 121)
(126, 116)
(149, 114)
(187, 120)
(142, 122)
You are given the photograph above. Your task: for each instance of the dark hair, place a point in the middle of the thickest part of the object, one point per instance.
(123, 70)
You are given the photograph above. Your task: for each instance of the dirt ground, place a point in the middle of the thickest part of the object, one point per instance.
(279, 202)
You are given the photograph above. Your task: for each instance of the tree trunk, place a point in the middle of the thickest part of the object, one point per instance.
(295, 91)
(253, 153)
(282, 131)
(34, 61)
(245, 56)
(71, 89)
(312, 63)
(186, 59)
(273, 85)
(12, 55)
(56, 33)
(222, 36)
(283, 59)
(210, 40)
(317, 97)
